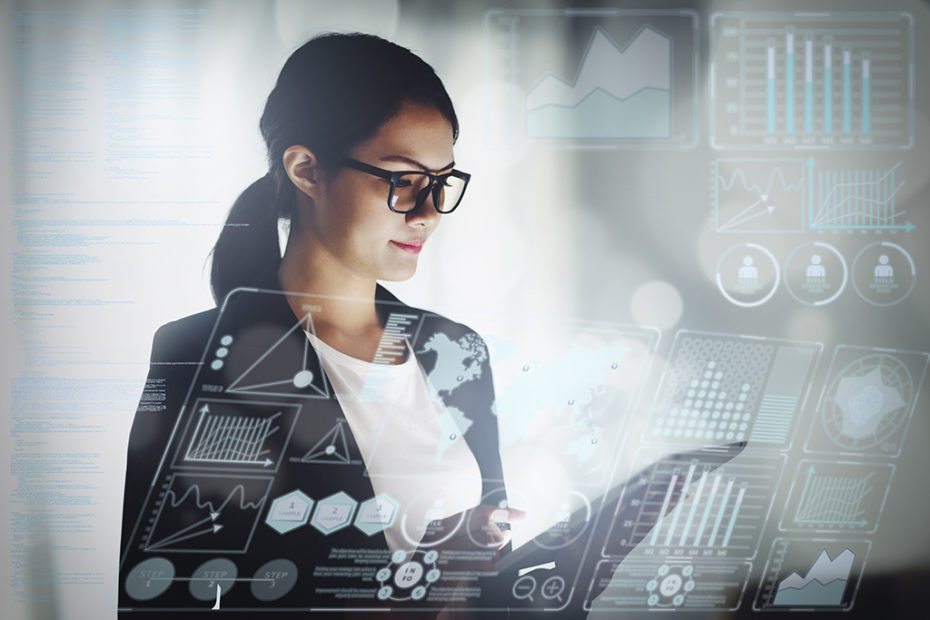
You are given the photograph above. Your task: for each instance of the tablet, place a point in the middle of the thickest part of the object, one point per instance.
(541, 549)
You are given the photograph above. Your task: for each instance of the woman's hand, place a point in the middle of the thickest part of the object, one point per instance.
(483, 527)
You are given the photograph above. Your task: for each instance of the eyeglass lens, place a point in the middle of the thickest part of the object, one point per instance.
(413, 188)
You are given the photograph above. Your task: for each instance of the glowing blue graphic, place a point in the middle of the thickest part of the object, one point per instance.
(868, 401)
(837, 496)
(722, 515)
(619, 92)
(855, 200)
(823, 584)
(773, 80)
(289, 511)
(667, 584)
(458, 362)
(839, 499)
(231, 439)
(807, 574)
(630, 81)
(758, 195)
(207, 514)
(721, 388)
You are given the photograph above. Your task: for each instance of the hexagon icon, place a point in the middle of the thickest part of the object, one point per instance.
(376, 514)
(333, 513)
(289, 511)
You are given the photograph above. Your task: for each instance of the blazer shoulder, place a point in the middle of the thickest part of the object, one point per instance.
(185, 338)
(452, 329)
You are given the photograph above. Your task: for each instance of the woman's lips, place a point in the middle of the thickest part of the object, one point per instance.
(406, 247)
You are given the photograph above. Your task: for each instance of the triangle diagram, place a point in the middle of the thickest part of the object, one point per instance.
(333, 447)
(283, 371)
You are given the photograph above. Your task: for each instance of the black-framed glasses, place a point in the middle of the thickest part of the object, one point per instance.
(409, 188)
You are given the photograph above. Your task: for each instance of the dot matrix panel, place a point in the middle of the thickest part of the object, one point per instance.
(724, 388)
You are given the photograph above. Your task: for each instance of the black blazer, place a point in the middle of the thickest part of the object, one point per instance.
(196, 510)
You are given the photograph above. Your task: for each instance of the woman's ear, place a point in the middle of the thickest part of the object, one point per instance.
(303, 169)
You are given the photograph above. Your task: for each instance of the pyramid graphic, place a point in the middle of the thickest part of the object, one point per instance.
(264, 375)
(333, 447)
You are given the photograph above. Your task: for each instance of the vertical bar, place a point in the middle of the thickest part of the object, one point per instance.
(789, 80)
(707, 509)
(808, 84)
(723, 508)
(844, 204)
(890, 212)
(254, 439)
(856, 200)
(697, 500)
(668, 495)
(674, 523)
(819, 196)
(872, 204)
(866, 93)
(770, 79)
(259, 439)
(231, 438)
(847, 90)
(193, 440)
(828, 84)
(733, 515)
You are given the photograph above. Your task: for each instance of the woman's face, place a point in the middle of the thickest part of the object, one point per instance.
(352, 219)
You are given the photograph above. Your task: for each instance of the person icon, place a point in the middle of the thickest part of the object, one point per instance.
(883, 269)
(748, 271)
(815, 269)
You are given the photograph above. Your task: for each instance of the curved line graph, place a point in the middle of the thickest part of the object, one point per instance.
(208, 513)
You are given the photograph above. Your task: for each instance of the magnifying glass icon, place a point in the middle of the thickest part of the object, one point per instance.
(524, 587)
(552, 588)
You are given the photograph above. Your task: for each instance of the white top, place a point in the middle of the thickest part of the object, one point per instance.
(403, 431)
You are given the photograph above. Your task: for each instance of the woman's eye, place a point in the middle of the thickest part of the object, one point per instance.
(404, 183)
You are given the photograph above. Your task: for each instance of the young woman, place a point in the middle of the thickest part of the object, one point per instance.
(359, 135)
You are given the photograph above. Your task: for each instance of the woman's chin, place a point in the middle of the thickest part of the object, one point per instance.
(399, 273)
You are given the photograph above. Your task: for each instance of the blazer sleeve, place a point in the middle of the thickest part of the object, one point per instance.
(172, 366)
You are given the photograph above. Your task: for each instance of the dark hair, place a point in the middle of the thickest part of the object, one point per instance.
(333, 93)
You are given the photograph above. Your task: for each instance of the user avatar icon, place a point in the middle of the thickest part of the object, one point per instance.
(748, 271)
(883, 269)
(815, 269)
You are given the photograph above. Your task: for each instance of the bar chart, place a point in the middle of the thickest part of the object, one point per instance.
(812, 80)
(696, 510)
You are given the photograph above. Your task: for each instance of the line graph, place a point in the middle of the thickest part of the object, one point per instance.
(235, 439)
(856, 200)
(757, 195)
(833, 499)
(764, 195)
(234, 434)
(207, 513)
(837, 496)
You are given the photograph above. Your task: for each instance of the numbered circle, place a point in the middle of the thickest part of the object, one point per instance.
(149, 579)
(274, 579)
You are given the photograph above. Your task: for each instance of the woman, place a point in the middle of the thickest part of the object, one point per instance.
(344, 485)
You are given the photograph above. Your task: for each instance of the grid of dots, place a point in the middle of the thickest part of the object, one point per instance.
(713, 390)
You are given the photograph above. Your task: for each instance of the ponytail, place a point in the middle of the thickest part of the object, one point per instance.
(332, 93)
(248, 243)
